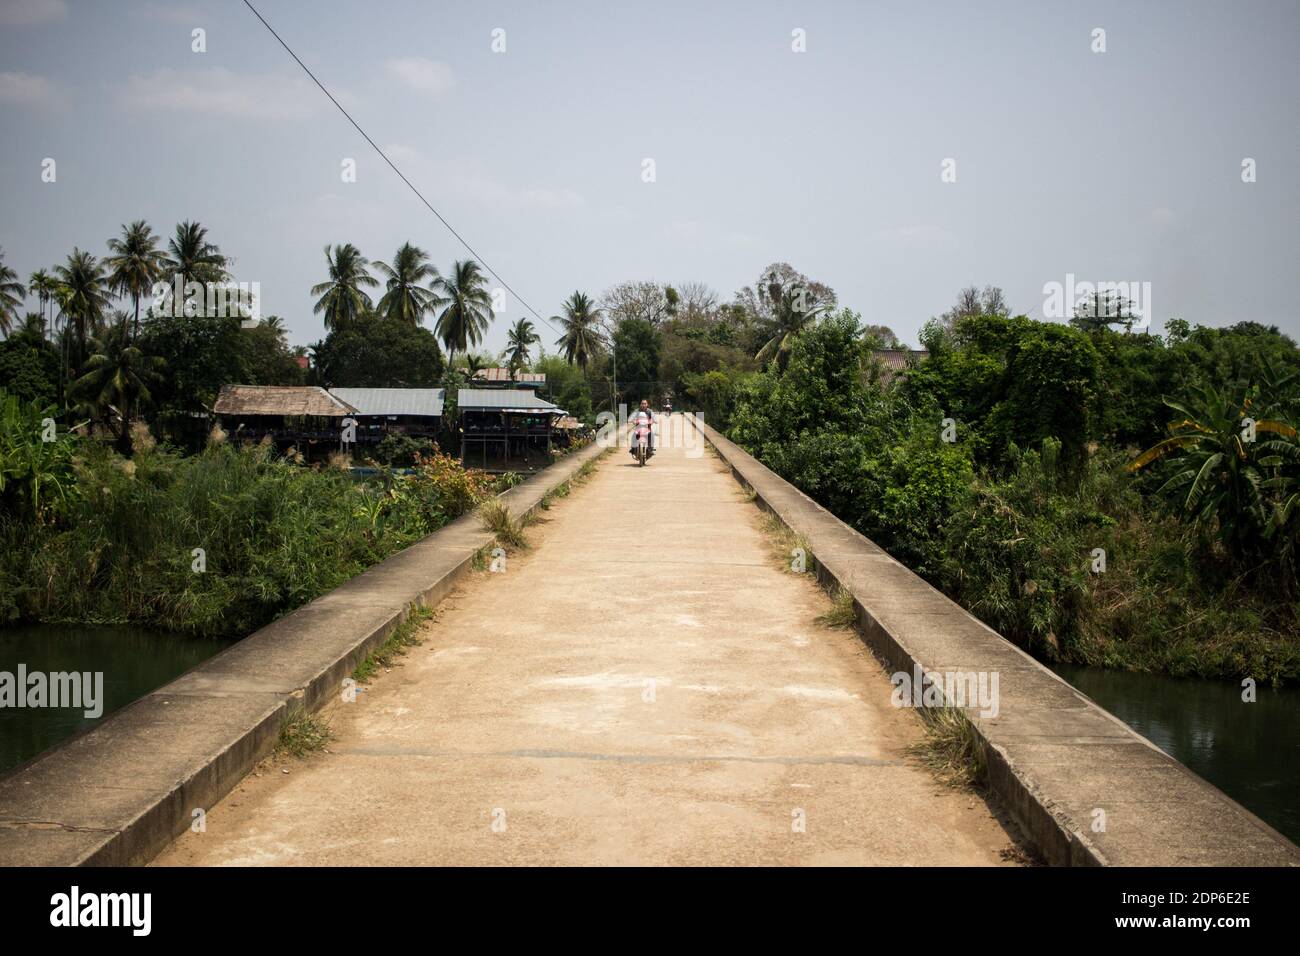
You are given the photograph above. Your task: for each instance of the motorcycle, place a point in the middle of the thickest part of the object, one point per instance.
(641, 444)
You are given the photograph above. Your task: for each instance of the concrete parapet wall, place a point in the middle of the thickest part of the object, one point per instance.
(1055, 758)
(117, 794)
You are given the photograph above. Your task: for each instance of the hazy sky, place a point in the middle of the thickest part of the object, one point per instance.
(1117, 166)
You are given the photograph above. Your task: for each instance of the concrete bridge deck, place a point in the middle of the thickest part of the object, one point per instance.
(645, 685)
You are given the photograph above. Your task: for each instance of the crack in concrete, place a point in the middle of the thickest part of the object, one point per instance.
(53, 825)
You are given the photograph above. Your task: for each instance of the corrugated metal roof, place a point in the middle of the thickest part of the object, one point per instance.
(502, 400)
(425, 402)
(291, 401)
(503, 375)
(896, 359)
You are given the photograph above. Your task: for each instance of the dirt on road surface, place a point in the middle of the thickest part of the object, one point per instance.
(645, 685)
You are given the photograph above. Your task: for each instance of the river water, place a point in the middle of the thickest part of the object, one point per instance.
(134, 661)
(1249, 751)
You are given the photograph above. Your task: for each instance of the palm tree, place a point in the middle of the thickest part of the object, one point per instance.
(191, 257)
(41, 284)
(341, 298)
(276, 326)
(407, 298)
(12, 294)
(791, 315)
(475, 363)
(581, 324)
(33, 326)
(1219, 476)
(135, 264)
(466, 307)
(117, 375)
(519, 339)
(83, 298)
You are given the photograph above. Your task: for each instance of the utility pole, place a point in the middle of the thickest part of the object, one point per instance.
(613, 351)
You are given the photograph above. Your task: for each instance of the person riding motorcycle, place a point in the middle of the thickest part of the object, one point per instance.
(643, 418)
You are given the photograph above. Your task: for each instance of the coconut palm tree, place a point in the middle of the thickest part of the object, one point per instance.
(341, 297)
(519, 339)
(83, 298)
(277, 327)
(12, 293)
(791, 315)
(581, 324)
(117, 376)
(135, 264)
(193, 259)
(33, 326)
(466, 307)
(42, 285)
(407, 298)
(475, 363)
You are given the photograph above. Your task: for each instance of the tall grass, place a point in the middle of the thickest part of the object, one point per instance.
(216, 544)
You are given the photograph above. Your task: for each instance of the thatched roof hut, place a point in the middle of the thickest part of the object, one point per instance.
(280, 401)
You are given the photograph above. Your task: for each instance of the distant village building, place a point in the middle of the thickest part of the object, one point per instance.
(409, 411)
(896, 362)
(304, 417)
(501, 378)
(505, 429)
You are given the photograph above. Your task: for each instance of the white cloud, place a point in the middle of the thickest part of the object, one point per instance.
(22, 13)
(223, 92)
(425, 76)
(25, 89)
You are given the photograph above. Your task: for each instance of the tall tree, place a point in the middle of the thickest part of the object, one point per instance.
(519, 340)
(640, 300)
(792, 312)
(466, 307)
(764, 301)
(117, 376)
(406, 297)
(971, 301)
(83, 299)
(341, 297)
(134, 264)
(12, 294)
(581, 329)
(191, 257)
(42, 285)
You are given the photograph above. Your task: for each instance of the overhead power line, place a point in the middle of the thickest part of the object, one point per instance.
(410, 185)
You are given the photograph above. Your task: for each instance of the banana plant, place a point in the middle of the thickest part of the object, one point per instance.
(1221, 475)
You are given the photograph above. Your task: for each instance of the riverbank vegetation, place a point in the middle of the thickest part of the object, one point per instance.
(1096, 493)
(217, 543)
(1007, 468)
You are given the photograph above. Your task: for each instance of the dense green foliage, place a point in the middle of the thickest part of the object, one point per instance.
(375, 351)
(1030, 511)
(118, 536)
